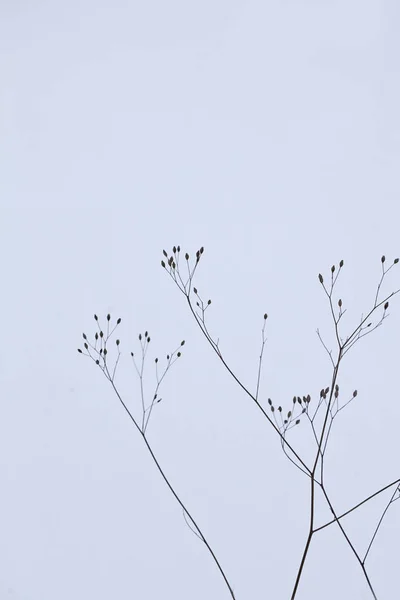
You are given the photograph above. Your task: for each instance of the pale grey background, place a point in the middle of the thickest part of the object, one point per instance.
(269, 133)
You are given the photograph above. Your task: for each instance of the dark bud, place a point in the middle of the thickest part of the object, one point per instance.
(201, 250)
(165, 254)
(156, 360)
(84, 336)
(105, 351)
(118, 321)
(86, 346)
(173, 265)
(174, 249)
(383, 259)
(179, 354)
(270, 401)
(108, 317)
(140, 336)
(167, 356)
(117, 342)
(280, 408)
(97, 362)
(195, 290)
(198, 254)
(386, 305)
(132, 354)
(80, 351)
(303, 411)
(341, 263)
(265, 316)
(285, 422)
(272, 408)
(101, 334)
(308, 399)
(396, 260)
(182, 342)
(298, 421)
(209, 302)
(321, 279)
(163, 264)
(187, 256)
(294, 399)
(146, 333)
(340, 303)
(355, 393)
(332, 268)
(96, 318)
(96, 336)
(289, 414)
(148, 340)
(299, 399)
(178, 248)
(326, 390)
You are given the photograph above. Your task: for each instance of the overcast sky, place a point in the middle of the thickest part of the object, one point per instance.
(269, 133)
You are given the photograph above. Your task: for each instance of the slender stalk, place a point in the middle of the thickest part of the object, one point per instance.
(308, 541)
(170, 487)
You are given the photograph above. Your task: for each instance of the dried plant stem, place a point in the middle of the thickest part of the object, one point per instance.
(329, 397)
(171, 488)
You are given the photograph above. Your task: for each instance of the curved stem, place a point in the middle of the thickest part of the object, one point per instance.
(170, 487)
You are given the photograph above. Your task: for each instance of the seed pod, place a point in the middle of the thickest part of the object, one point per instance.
(341, 263)
(265, 316)
(383, 259)
(321, 279)
(386, 305)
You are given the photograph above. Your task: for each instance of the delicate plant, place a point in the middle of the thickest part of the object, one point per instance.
(319, 415)
(107, 361)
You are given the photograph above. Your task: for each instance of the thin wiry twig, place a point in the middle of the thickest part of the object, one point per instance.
(101, 362)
